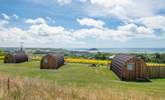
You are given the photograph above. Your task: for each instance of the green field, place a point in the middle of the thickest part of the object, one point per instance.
(81, 75)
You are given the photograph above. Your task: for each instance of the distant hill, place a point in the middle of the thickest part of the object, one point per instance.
(93, 49)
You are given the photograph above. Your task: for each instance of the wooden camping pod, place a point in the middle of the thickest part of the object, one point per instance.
(129, 67)
(15, 57)
(52, 61)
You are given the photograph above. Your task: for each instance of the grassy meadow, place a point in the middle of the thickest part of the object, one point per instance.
(79, 81)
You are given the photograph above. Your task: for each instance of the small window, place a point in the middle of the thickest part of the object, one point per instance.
(45, 61)
(130, 66)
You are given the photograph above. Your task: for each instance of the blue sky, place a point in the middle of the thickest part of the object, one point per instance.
(83, 23)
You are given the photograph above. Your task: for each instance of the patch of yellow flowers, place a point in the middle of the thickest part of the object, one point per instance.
(36, 58)
(87, 61)
(1, 57)
(155, 65)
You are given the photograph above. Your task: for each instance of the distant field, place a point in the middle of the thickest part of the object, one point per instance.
(81, 75)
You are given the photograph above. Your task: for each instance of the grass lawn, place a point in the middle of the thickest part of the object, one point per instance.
(82, 76)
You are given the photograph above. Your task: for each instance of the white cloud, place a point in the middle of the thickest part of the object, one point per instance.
(14, 34)
(3, 22)
(134, 31)
(5, 16)
(36, 21)
(46, 30)
(83, 0)
(40, 33)
(154, 22)
(49, 19)
(122, 33)
(124, 9)
(91, 22)
(56, 35)
(15, 16)
(62, 2)
(121, 9)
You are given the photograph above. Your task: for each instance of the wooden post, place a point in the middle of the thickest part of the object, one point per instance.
(8, 84)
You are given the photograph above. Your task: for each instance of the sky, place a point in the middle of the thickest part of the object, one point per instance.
(82, 23)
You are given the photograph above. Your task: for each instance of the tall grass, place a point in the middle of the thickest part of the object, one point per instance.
(18, 88)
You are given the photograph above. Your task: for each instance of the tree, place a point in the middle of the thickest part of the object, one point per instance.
(157, 55)
(162, 58)
(100, 55)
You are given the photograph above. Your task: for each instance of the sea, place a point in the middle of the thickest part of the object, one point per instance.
(121, 50)
(106, 50)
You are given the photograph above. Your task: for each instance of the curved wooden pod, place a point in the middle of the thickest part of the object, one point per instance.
(15, 57)
(52, 61)
(128, 67)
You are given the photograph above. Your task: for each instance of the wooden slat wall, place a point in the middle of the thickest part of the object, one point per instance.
(60, 60)
(156, 72)
(117, 66)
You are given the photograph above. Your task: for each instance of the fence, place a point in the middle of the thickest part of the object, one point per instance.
(156, 71)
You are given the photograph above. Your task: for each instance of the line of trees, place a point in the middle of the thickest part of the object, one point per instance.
(155, 58)
(98, 55)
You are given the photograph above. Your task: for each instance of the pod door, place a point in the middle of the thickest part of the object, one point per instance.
(140, 70)
(130, 71)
